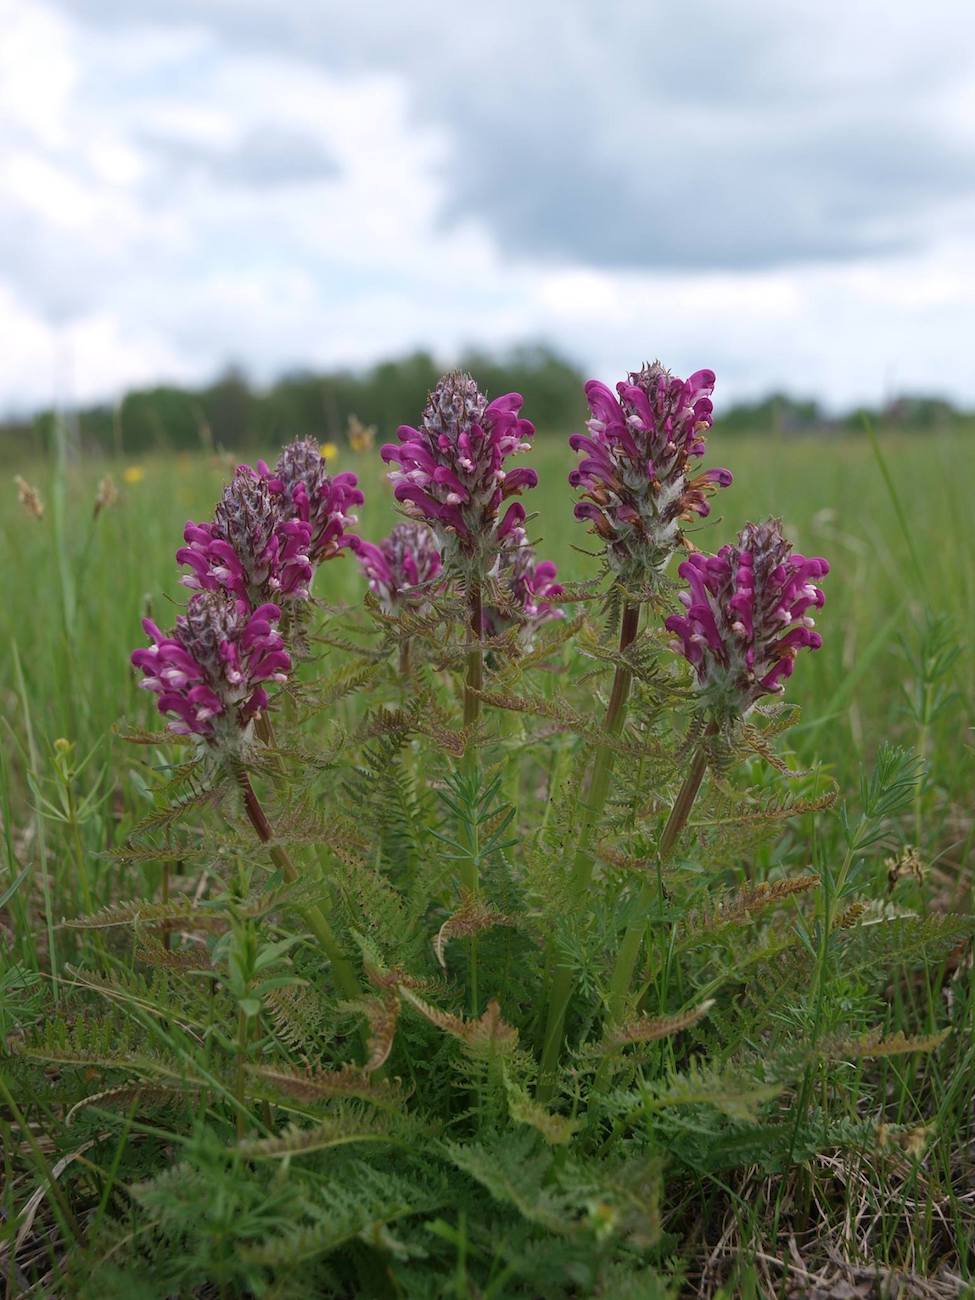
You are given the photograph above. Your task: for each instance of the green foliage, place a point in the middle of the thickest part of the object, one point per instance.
(234, 1120)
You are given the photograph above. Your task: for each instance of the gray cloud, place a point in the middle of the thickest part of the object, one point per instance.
(651, 135)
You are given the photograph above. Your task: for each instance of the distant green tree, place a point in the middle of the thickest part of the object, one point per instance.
(229, 413)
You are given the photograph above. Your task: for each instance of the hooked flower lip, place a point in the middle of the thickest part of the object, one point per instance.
(450, 469)
(747, 616)
(635, 472)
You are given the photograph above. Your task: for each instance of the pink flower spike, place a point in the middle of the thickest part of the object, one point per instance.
(208, 671)
(527, 588)
(305, 491)
(746, 618)
(403, 568)
(635, 474)
(450, 470)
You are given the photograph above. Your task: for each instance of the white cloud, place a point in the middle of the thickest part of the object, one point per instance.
(279, 186)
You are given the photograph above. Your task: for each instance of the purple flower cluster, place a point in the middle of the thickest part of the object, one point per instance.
(271, 527)
(268, 531)
(747, 616)
(208, 671)
(304, 490)
(635, 471)
(527, 586)
(451, 471)
(403, 568)
(251, 548)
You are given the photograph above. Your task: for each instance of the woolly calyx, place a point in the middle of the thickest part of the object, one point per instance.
(528, 587)
(250, 549)
(306, 491)
(402, 568)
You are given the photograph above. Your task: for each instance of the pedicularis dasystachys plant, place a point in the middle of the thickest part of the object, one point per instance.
(747, 617)
(527, 909)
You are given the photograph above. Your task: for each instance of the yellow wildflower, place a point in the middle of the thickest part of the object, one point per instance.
(133, 474)
(329, 450)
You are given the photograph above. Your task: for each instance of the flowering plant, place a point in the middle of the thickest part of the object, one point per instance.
(402, 569)
(304, 490)
(252, 548)
(526, 587)
(486, 952)
(747, 617)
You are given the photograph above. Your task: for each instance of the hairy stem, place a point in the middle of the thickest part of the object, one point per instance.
(629, 952)
(475, 668)
(562, 980)
(472, 712)
(405, 666)
(345, 977)
(683, 803)
(167, 934)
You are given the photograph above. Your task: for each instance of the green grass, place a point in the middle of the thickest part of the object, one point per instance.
(896, 524)
(74, 596)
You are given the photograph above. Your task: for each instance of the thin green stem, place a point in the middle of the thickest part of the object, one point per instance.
(41, 858)
(472, 713)
(345, 976)
(167, 934)
(243, 1033)
(475, 670)
(923, 738)
(629, 952)
(563, 977)
(472, 883)
(405, 666)
(81, 865)
(832, 890)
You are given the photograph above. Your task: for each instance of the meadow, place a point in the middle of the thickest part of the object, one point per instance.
(897, 665)
(78, 586)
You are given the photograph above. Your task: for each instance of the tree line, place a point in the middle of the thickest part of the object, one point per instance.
(232, 413)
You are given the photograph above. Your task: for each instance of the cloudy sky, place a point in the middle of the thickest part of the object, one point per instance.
(782, 191)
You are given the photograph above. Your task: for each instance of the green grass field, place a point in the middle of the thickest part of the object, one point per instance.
(897, 664)
(77, 589)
